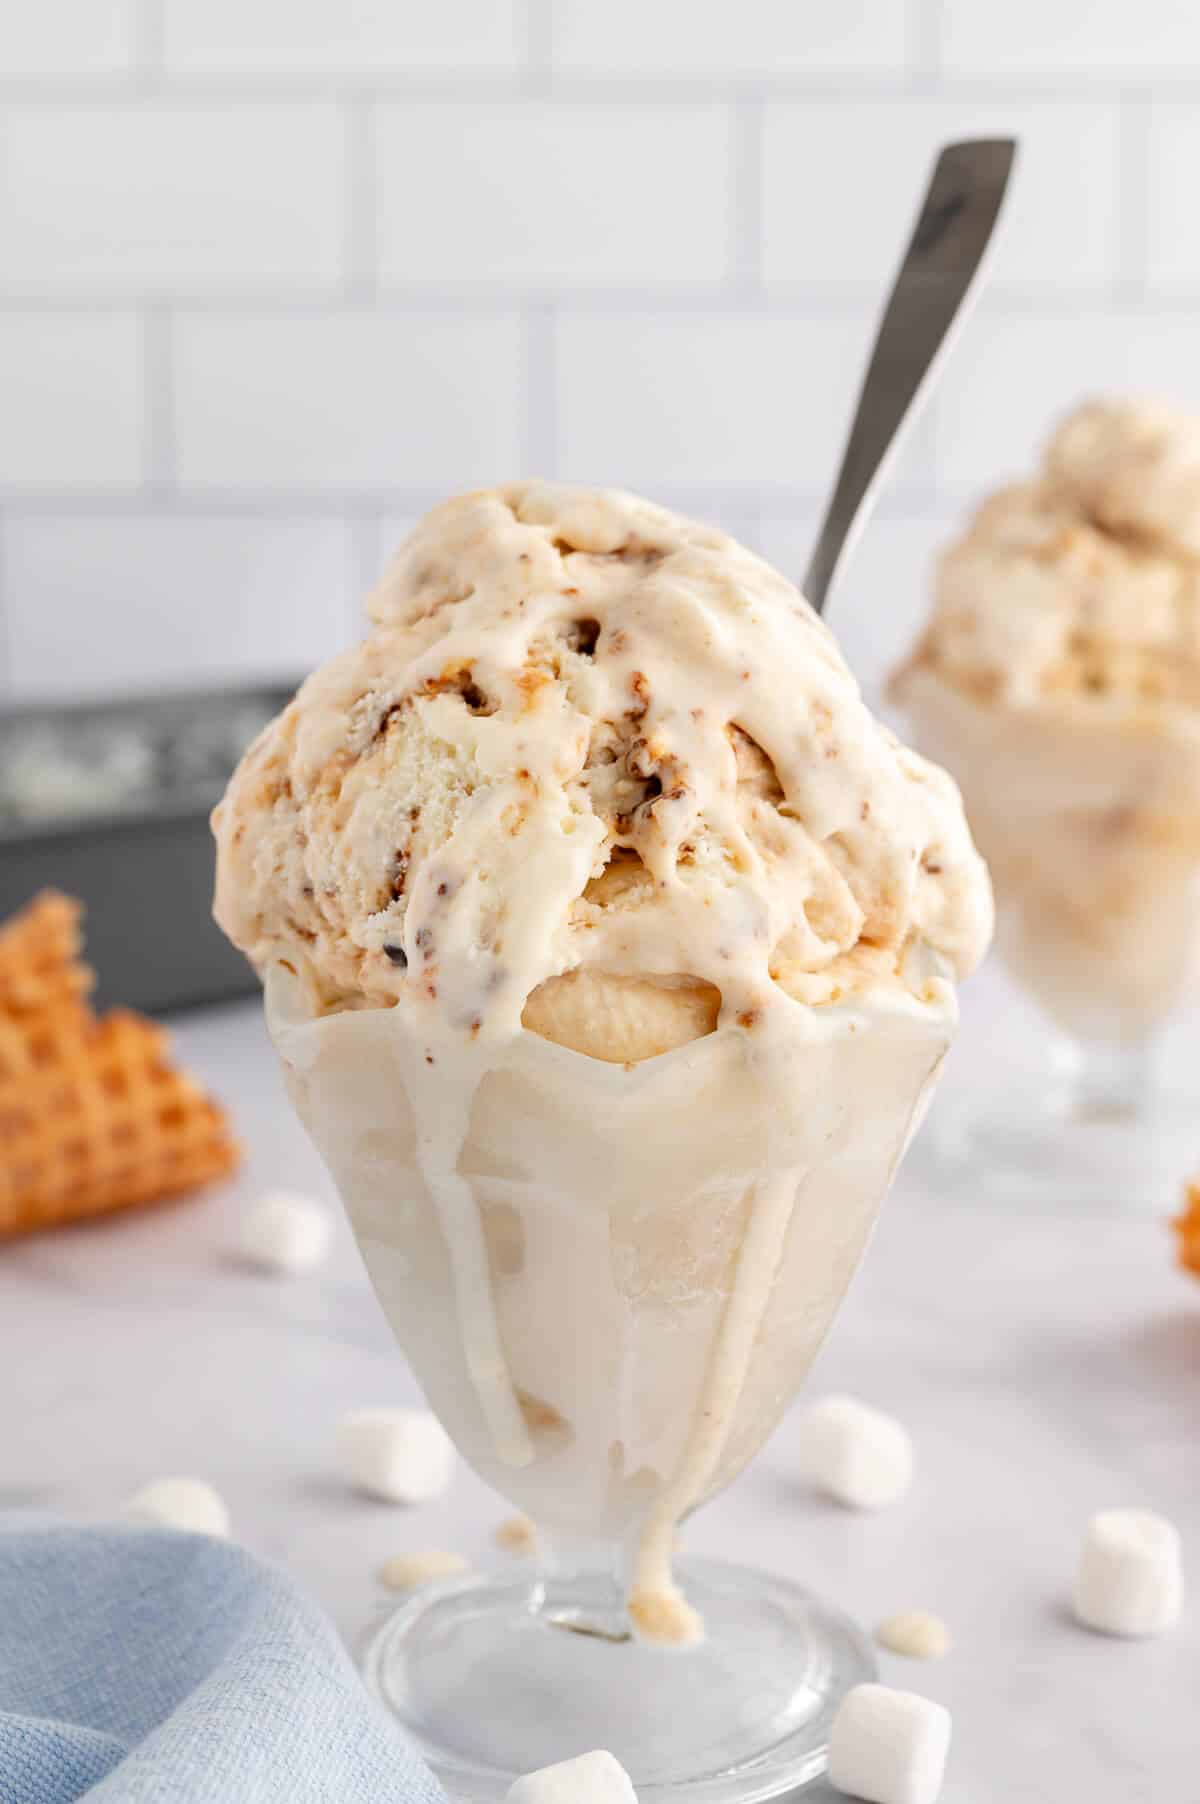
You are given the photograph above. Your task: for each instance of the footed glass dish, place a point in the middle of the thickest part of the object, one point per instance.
(609, 1302)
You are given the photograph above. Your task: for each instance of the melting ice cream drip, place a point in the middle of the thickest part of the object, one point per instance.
(656, 1605)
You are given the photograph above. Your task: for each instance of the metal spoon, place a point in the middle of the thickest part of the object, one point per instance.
(944, 258)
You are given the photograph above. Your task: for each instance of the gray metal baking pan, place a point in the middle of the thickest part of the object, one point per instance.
(109, 801)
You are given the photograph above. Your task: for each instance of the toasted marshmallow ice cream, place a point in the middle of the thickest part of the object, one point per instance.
(610, 946)
(1134, 468)
(1059, 678)
(590, 745)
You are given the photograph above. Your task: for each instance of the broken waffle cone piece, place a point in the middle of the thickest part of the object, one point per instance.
(93, 1114)
(40, 964)
(1187, 1231)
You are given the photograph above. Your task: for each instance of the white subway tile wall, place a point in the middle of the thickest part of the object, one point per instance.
(172, 196)
(360, 399)
(277, 274)
(706, 401)
(68, 37)
(501, 192)
(165, 599)
(356, 39)
(1070, 37)
(1063, 220)
(72, 404)
(754, 37)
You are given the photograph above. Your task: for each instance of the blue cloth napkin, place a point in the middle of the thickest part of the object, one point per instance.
(142, 1666)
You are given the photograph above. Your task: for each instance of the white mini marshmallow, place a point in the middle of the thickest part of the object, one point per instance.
(187, 1503)
(596, 1778)
(855, 1453)
(401, 1455)
(285, 1233)
(889, 1747)
(1130, 1576)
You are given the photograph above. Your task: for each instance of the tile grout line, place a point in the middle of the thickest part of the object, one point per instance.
(363, 535)
(149, 43)
(1132, 185)
(158, 400)
(747, 127)
(781, 300)
(360, 198)
(540, 446)
(535, 51)
(1049, 88)
(750, 501)
(926, 34)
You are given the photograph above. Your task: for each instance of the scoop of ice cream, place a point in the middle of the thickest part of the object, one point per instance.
(1083, 583)
(597, 767)
(1134, 468)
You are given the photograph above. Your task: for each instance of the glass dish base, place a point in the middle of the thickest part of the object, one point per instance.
(493, 1677)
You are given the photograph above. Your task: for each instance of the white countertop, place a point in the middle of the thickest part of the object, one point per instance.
(1046, 1367)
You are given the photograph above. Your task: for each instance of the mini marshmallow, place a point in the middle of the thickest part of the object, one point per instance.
(858, 1455)
(401, 1455)
(889, 1747)
(409, 1571)
(186, 1503)
(591, 1779)
(286, 1234)
(1130, 1576)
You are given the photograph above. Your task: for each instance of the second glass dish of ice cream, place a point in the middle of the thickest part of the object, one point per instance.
(1059, 679)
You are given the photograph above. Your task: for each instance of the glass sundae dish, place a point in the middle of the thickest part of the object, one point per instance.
(609, 946)
(1059, 679)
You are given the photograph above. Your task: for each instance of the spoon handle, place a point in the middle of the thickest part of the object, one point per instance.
(943, 259)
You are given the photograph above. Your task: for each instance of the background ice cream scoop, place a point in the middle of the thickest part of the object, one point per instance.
(1082, 584)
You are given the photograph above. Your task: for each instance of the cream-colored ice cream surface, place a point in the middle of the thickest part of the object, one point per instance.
(1059, 680)
(609, 943)
(589, 736)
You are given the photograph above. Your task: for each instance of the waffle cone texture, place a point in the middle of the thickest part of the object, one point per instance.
(94, 1116)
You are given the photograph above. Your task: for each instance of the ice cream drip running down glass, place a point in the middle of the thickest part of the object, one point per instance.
(610, 948)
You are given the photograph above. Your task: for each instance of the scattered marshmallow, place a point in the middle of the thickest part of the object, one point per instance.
(401, 1455)
(286, 1234)
(889, 1747)
(1130, 1576)
(409, 1571)
(186, 1503)
(915, 1635)
(516, 1534)
(857, 1454)
(596, 1778)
